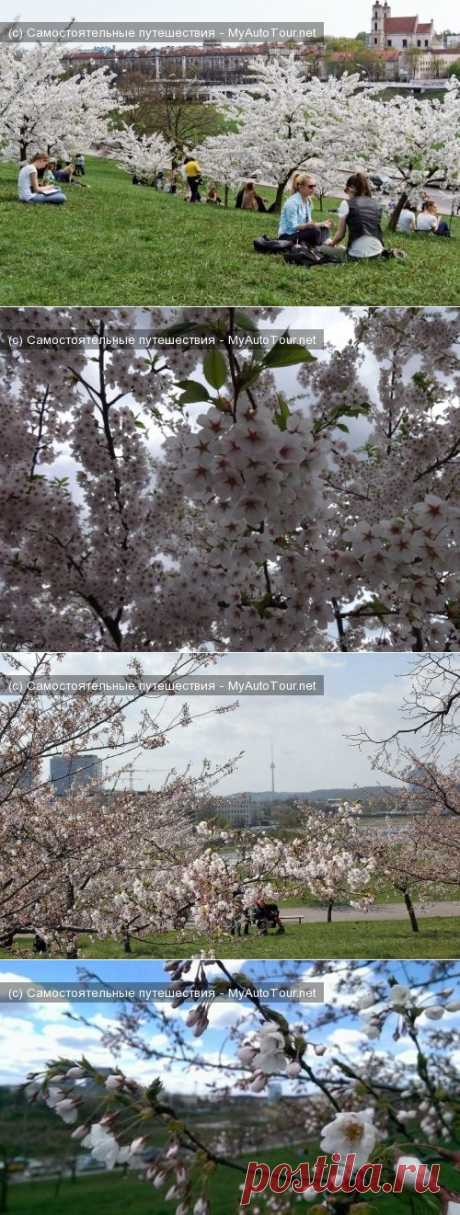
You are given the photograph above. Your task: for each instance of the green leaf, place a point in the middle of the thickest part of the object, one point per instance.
(284, 355)
(282, 414)
(192, 392)
(243, 320)
(341, 426)
(215, 368)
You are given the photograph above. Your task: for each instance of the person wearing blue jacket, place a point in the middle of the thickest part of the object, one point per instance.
(296, 217)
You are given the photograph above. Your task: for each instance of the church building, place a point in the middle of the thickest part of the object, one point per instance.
(399, 33)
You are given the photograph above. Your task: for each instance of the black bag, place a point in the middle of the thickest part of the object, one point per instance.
(305, 255)
(265, 244)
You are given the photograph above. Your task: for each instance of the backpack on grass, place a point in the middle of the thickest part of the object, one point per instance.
(305, 255)
(266, 244)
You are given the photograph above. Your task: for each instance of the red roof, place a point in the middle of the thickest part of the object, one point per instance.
(400, 25)
(406, 25)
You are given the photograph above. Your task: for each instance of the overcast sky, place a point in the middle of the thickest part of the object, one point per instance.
(45, 1032)
(308, 734)
(338, 18)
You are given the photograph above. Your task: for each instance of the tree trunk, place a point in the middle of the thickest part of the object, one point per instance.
(397, 211)
(276, 205)
(22, 150)
(329, 911)
(4, 1178)
(126, 942)
(411, 911)
(226, 196)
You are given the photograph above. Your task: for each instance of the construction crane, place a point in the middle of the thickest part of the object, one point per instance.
(131, 771)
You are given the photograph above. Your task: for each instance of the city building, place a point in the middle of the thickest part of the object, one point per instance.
(193, 64)
(399, 33)
(242, 810)
(68, 772)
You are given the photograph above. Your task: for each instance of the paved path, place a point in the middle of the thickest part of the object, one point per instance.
(388, 911)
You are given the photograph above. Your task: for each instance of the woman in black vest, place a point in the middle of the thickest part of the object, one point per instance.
(361, 215)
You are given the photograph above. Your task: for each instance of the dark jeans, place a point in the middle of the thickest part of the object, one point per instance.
(442, 229)
(313, 236)
(195, 195)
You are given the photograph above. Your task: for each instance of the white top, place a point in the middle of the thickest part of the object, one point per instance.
(25, 193)
(426, 222)
(364, 246)
(406, 221)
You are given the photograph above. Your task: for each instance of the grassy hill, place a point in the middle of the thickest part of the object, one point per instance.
(125, 244)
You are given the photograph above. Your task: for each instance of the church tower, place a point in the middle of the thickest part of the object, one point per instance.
(379, 14)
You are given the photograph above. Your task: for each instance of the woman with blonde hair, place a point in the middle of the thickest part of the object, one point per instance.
(296, 217)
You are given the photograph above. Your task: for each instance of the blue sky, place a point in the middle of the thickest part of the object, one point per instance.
(45, 1032)
(308, 734)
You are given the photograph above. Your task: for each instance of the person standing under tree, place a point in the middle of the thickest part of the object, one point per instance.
(193, 175)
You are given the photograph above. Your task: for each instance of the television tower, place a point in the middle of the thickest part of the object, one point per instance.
(272, 768)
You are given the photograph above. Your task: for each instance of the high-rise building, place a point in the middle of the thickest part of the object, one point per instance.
(69, 772)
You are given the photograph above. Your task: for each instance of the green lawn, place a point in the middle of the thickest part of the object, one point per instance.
(438, 938)
(118, 244)
(111, 1195)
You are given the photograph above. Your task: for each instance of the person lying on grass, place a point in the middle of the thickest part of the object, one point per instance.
(29, 188)
(296, 217)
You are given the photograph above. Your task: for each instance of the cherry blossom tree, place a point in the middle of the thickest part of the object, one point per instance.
(328, 858)
(363, 1096)
(228, 160)
(284, 121)
(43, 109)
(419, 852)
(93, 859)
(416, 139)
(328, 521)
(142, 155)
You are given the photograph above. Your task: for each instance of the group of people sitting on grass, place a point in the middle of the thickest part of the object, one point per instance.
(422, 219)
(359, 219)
(359, 215)
(40, 179)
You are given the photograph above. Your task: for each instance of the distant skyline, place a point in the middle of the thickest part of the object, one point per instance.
(339, 19)
(308, 734)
